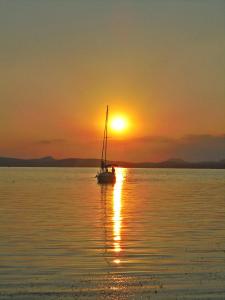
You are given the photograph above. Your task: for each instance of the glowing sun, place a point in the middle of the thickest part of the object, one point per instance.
(118, 124)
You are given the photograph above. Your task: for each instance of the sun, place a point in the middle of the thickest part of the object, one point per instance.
(118, 124)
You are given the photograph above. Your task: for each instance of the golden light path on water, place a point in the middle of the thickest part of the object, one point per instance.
(117, 216)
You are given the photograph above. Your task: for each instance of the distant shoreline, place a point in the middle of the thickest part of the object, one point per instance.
(92, 162)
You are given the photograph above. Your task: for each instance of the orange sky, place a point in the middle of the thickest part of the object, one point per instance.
(160, 63)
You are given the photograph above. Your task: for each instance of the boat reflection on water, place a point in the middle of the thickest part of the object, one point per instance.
(111, 197)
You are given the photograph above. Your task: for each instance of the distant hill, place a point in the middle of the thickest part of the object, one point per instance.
(92, 162)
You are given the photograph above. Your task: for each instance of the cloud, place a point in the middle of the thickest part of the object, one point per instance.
(51, 141)
(153, 139)
(204, 138)
(202, 147)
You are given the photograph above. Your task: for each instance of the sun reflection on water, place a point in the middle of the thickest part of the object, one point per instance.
(117, 216)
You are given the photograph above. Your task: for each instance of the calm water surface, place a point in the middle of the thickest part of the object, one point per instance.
(155, 234)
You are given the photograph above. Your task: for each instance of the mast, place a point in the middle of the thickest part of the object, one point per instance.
(106, 132)
(103, 147)
(105, 138)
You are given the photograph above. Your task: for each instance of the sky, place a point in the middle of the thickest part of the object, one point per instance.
(160, 63)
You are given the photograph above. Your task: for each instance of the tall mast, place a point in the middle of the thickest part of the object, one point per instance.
(106, 132)
(103, 147)
(104, 144)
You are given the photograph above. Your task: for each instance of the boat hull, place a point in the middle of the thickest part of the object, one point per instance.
(106, 177)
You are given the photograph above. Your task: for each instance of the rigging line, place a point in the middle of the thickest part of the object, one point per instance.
(103, 145)
(106, 132)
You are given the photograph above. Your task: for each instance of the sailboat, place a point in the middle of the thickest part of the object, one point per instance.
(105, 175)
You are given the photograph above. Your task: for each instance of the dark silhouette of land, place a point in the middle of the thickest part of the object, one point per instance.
(92, 162)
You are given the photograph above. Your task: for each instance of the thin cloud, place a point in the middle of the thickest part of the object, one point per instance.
(51, 141)
(156, 148)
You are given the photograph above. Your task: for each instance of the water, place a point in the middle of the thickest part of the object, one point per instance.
(155, 234)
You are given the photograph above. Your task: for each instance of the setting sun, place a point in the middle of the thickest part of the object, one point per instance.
(118, 124)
